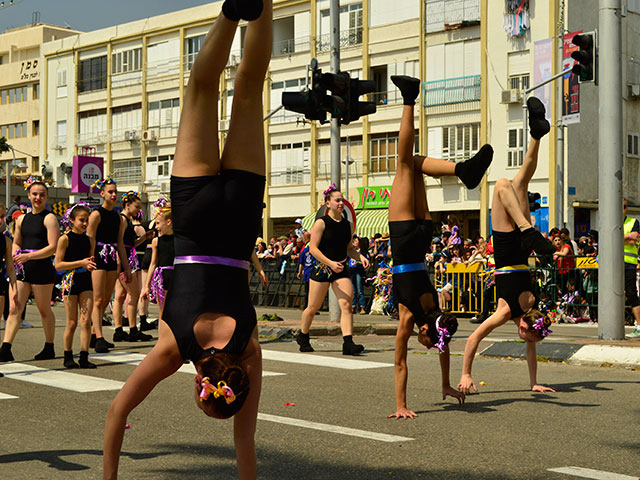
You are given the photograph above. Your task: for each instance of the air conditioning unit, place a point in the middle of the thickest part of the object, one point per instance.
(47, 171)
(130, 135)
(634, 90)
(150, 136)
(164, 187)
(66, 169)
(511, 96)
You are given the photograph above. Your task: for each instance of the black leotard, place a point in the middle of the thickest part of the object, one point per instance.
(333, 244)
(215, 216)
(3, 254)
(129, 239)
(409, 242)
(79, 248)
(166, 255)
(508, 252)
(35, 237)
(107, 233)
(142, 248)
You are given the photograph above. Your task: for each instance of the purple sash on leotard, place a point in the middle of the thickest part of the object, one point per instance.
(108, 249)
(20, 266)
(133, 259)
(157, 290)
(212, 260)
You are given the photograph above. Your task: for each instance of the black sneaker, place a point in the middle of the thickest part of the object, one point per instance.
(352, 349)
(120, 336)
(248, 10)
(47, 353)
(303, 341)
(532, 240)
(70, 363)
(146, 326)
(138, 336)
(538, 124)
(477, 320)
(5, 353)
(102, 346)
(92, 342)
(409, 88)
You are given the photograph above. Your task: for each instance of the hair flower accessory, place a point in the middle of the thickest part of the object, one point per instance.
(443, 334)
(30, 181)
(332, 188)
(105, 181)
(542, 329)
(160, 206)
(66, 218)
(128, 195)
(221, 390)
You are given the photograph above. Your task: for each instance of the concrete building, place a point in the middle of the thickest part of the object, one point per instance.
(119, 91)
(20, 67)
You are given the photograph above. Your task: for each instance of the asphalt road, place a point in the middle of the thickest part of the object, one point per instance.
(505, 432)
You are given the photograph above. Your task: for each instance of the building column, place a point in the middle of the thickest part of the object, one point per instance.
(484, 118)
(267, 223)
(313, 161)
(422, 62)
(556, 113)
(366, 73)
(109, 164)
(144, 145)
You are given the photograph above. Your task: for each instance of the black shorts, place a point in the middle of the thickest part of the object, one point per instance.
(167, 279)
(110, 265)
(321, 275)
(39, 272)
(4, 286)
(630, 287)
(146, 259)
(509, 287)
(410, 240)
(81, 283)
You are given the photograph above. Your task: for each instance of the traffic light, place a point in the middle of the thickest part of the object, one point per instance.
(309, 102)
(585, 57)
(534, 201)
(356, 108)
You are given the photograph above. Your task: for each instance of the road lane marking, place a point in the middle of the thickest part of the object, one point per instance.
(383, 437)
(593, 474)
(57, 379)
(321, 361)
(353, 432)
(6, 396)
(136, 358)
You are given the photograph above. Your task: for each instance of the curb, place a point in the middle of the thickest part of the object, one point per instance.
(598, 355)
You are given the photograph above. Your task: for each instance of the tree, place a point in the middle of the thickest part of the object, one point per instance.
(4, 146)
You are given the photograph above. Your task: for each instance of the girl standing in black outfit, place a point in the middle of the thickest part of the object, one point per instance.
(74, 256)
(330, 244)
(208, 316)
(36, 236)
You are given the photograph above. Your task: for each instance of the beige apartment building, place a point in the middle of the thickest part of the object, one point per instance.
(119, 92)
(20, 67)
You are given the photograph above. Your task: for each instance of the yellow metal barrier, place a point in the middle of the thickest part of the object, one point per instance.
(465, 285)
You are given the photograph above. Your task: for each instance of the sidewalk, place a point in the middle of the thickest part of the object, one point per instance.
(575, 344)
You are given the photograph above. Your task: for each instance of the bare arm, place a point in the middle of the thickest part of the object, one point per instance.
(17, 235)
(405, 328)
(445, 362)
(163, 360)
(532, 363)
(152, 267)
(244, 422)
(92, 228)
(124, 261)
(11, 273)
(61, 250)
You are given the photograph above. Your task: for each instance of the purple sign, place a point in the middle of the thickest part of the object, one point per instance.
(86, 171)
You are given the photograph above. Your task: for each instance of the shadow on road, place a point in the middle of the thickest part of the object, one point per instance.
(53, 458)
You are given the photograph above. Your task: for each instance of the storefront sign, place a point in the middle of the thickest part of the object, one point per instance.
(86, 171)
(29, 70)
(586, 262)
(374, 197)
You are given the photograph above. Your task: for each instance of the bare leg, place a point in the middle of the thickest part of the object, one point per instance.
(42, 295)
(85, 302)
(402, 203)
(421, 208)
(343, 288)
(103, 284)
(13, 320)
(317, 292)
(244, 147)
(118, 303)
(71, 307)
(197, 151)
(525, 174)
(435, 167)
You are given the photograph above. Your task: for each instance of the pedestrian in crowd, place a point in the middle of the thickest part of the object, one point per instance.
(566, 236)
(264, 252)
(297, 249)
(14, 207)
(306, 264)
(107, 230)
(411, 230)
(208, 316)
(514, 238)
(299, 231)
(359, 274)
(381, 247)
(8, 288)
(331, 245)
(127, 292)
(35, 238)
(453, 228)
(631, 228)
(565, 262)
(74, 256)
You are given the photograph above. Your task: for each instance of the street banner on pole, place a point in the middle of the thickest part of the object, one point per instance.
(543, 69)
(86, 170)
(570, 85)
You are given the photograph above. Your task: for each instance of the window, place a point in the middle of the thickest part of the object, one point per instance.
(290, 163)
(61, 84)
(159, 170)
(519, 82)
(61, 132)
(35, 164)
(93, 74)
(355, 24)
(92, 125)
(384, 154)
(127, 61)
(36, 93)
(127, 172)
(515, 143)
(127, 118)
(460, 142)
(4, 95)
(14, 130)
(191, 49)
(14, 95)
(165, 116)
(36, 130)
(633, 149)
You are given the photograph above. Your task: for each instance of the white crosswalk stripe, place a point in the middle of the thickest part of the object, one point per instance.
(592, 474)
(57, 379)
(6, 396)
(322, 360)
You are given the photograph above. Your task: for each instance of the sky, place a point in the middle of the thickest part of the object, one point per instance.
(87, 15)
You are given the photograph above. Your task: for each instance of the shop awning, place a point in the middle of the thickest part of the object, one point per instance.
(368, 222)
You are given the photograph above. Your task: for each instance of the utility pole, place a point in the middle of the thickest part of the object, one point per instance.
(334, 307)
(611, 250)
(559, 204)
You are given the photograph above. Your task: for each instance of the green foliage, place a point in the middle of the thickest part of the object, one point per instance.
(4, 146)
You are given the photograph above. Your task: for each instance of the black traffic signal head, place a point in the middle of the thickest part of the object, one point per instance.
(305, 103)
(585, 56)
(357, 108)
(534, 201)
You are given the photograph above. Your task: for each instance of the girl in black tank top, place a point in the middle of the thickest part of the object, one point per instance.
(330, 245)
(74, 257)
(208, 315)
(162, 256)
(129, 291)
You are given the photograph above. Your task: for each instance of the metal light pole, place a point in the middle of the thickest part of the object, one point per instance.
(611, 249)
(560, 207)
(8, 178)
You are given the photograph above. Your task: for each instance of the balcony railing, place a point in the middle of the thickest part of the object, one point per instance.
(292, 45)
(450, 91)
(392, 97)
(348, 38)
